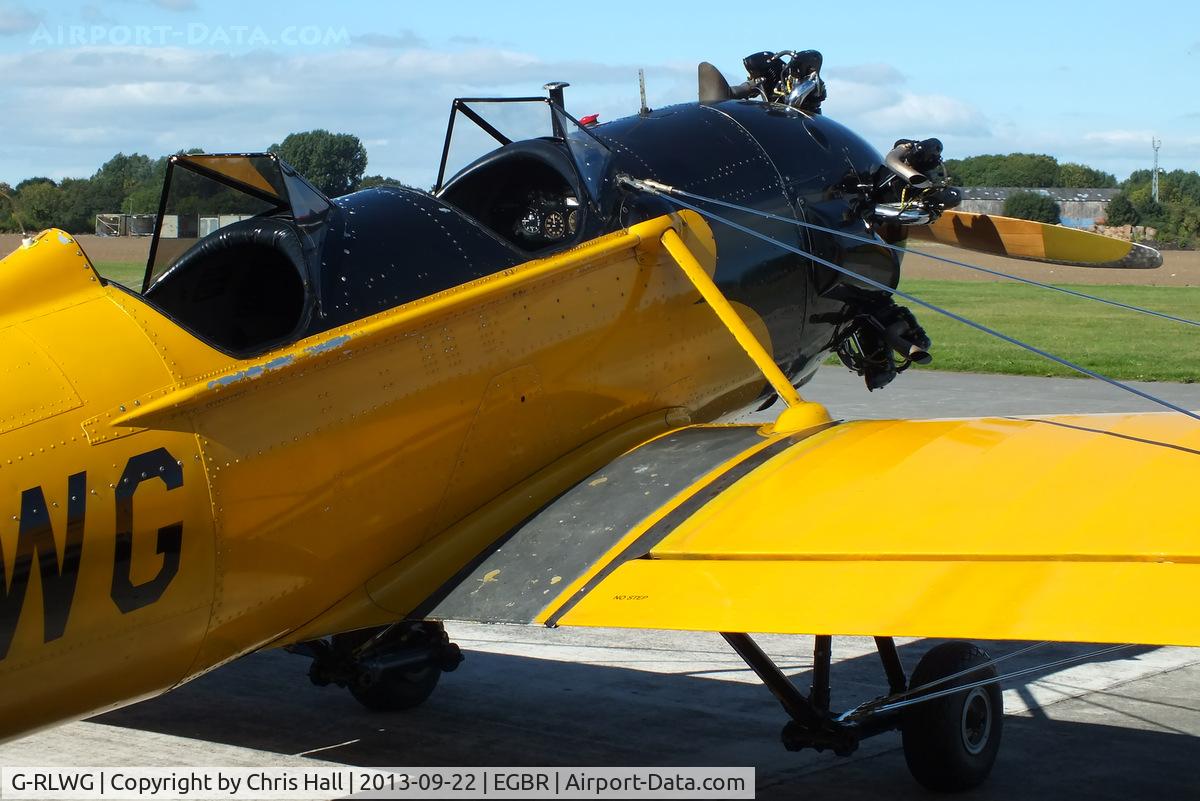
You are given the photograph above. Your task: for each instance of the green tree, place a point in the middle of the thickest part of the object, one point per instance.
(41, 205)
(1014, 169)
(1136, 178)
(369, 181)
(1032, 206)
(1120, 211)
(1187, 182)
(117, 178)
(1149, 211)
(1182, 225)
(334, 163)
(75, 197)
(1175, 215)
(37, 180)
(143, 200)
(1082, 176)
(1177, 185)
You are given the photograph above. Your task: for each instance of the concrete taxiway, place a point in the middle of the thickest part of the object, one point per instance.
(1125, 725)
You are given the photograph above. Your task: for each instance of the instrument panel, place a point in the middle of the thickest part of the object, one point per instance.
(547, 219)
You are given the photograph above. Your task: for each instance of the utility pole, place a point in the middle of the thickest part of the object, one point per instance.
(1156, 144)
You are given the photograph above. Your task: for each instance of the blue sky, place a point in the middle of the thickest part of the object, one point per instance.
(79, 81)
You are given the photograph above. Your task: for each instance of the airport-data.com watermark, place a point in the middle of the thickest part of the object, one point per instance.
(194, 34)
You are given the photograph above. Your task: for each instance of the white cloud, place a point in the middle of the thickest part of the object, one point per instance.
(872, 98)
(175, 5)
(92, 102)
(16, 18)
(851, 98)
(85, 104)
(1119, 138)
(468, 40)
(405, 40)
(877, 74)
(928, 115)
(94, 15)
(1132, 149)
(875, 100)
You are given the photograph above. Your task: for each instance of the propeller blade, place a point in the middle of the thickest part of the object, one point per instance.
(1025, 239)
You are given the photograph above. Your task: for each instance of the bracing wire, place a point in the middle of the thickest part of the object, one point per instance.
(911, 691)
(643, 186)
(893, 705)
(946, 259)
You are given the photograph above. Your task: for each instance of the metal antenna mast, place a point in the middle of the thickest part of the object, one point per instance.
(1156, 144)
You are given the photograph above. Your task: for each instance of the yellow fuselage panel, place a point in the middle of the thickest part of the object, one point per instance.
(323, 477)
(297, 476)
(107, 548)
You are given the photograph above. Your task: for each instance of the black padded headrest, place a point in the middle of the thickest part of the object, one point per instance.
(550, 152)
(265, 232)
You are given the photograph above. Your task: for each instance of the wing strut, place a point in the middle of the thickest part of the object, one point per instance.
(811, 724)
(800, 413)
(965, 709)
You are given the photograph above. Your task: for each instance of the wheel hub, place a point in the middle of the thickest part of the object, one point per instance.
(976, 721)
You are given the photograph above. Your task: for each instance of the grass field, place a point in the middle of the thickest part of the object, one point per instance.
(129, 273)
(1112, 341)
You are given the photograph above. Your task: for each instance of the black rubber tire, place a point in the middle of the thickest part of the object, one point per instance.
(399, 692)
(950, 743)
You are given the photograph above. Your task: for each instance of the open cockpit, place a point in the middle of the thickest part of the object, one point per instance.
(248, 256)
(538, 194)
(232, 259)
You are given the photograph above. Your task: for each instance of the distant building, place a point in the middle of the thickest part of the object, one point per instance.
(1081, 208)
(112, 225)
(174, 226)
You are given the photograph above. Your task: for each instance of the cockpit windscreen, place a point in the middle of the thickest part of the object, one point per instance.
(200, 202)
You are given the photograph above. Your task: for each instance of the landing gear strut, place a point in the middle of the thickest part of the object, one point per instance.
(951, 718)
(386, 669)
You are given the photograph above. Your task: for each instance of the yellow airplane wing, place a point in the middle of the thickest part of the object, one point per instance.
(1072, 528)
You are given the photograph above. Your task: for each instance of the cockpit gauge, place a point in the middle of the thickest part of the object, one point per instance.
(531, 223)
(555, 225)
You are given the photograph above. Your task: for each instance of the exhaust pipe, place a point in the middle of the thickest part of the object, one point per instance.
(909, 157)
